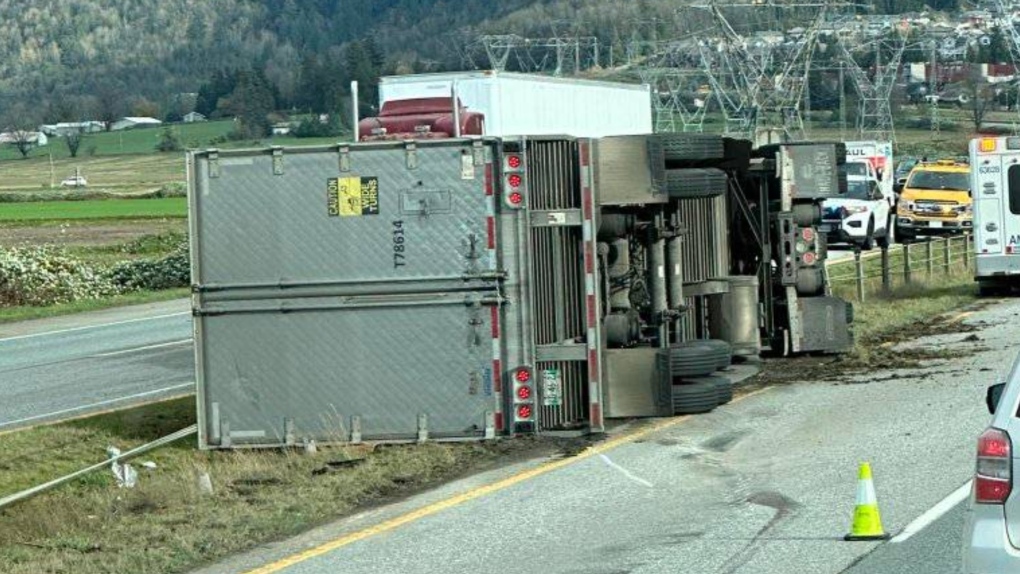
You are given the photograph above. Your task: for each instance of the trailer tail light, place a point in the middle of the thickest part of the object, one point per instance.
(524, 399)
(514, 172)
(808, 234)
(993, 477)
(987, 145)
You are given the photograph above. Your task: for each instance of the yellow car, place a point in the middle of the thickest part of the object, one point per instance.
(935, 200)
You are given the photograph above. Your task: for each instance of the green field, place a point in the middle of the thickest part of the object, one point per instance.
(198, 135)
(98, 209)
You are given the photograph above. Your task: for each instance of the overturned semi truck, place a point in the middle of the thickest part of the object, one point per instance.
(470, 288)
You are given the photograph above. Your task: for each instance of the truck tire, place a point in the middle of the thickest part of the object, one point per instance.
(807, 214)
(694, 398)
(692, 147)
(699, 358)
(723, 387)
(992, 288)
(696, 182)
(905, 236)
(809, 281)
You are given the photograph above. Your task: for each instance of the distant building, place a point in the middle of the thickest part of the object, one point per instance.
(281, 129)
(134, 122)
(36, 139)
(63, 129)
(192, 117)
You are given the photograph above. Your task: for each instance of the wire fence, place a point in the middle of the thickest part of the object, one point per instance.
(882, 271)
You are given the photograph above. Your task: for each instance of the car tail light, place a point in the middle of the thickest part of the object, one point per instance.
(993, 478)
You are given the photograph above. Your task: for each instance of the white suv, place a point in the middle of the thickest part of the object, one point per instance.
(859, 217)
(992, 532)
(74, 181)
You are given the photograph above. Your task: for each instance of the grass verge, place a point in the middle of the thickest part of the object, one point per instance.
(166, 524)
(95, 209)
(14, 314)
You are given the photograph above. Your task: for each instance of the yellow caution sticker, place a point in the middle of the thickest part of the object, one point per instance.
(352, 196)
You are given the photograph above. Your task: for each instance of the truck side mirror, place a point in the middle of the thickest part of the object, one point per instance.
(993, 396)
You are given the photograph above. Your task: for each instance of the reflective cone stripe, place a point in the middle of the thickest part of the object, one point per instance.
(867, 523)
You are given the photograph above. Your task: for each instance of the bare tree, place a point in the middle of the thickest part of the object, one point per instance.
(980, 96)
(73, 140)
(20, 125)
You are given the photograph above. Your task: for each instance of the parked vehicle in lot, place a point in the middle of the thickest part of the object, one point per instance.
(935, 200)
(903, 169)
(992, 529)
(859, 217)
(996, 179)
(74, 181)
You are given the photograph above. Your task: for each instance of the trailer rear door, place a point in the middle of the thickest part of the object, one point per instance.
(346, 293)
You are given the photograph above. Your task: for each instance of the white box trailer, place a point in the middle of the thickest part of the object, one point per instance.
(516, 104)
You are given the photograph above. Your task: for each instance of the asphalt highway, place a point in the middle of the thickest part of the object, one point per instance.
(59, 368)
(763, 485)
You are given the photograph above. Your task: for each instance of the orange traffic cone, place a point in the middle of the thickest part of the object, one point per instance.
(867, 520)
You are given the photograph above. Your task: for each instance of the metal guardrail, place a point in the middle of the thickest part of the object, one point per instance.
(915, 260)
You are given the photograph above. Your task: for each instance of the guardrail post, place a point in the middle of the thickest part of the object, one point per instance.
(947, 253)
(966, 251)
(859, 272)
(929, 256)
(906, 263)
(886, 272)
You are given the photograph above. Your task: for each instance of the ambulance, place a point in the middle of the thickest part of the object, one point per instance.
(995, 184)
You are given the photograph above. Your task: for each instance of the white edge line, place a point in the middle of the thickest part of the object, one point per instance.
(626, 472)
(98, 326)
(94, 405)
(934, 513)
(145, 348)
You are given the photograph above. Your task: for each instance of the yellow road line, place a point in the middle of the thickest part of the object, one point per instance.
(98, 413)
(475, 493)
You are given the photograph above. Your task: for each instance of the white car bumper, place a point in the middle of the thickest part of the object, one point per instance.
(986, 546)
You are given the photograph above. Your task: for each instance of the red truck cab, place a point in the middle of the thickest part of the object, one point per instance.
(420, 118)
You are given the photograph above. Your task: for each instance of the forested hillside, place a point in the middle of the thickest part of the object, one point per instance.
(66, 59)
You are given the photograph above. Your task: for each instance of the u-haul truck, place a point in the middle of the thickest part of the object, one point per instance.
(880, 156)
(995, 188)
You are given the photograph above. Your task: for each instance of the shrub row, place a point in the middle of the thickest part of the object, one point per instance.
(43, 276)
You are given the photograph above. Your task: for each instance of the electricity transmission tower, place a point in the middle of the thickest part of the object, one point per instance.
(874, 83)
(1003, 19)
(759, 81)
(561, 55)
(679, 98)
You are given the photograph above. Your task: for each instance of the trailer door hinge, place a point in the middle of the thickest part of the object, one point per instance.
(277, 160)
(411, 154)
(423, 427)
(479, 152)
(345, 159)
(490, 425)
(214, 163)
(356, 429)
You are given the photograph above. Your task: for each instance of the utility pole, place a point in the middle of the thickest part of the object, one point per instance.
(842, 101)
